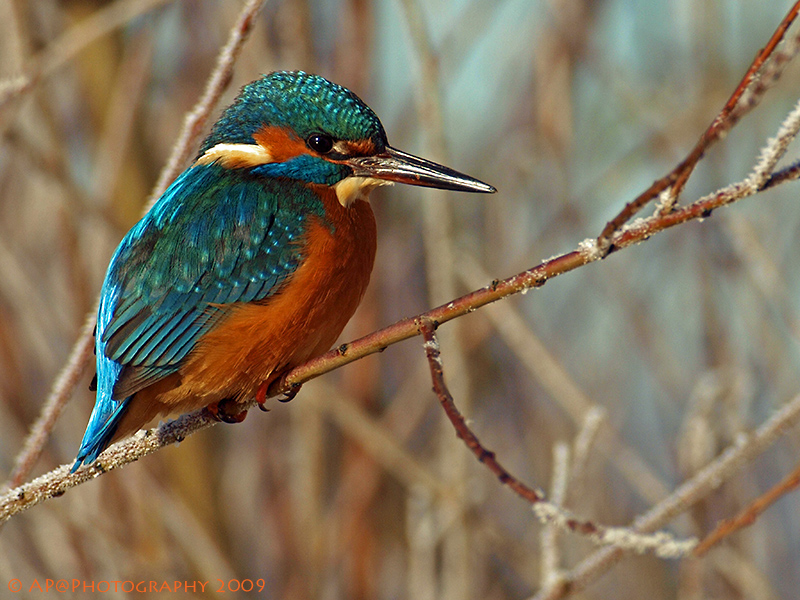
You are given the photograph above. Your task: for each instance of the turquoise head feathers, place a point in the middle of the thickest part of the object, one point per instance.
(306, 103)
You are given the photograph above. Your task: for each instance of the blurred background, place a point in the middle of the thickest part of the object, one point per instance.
(358, 488)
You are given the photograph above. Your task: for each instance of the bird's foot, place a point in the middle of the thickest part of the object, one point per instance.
(263, 391)
(224, 411)
(261, 396)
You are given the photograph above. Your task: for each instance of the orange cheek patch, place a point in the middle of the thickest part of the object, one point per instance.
(280, 143)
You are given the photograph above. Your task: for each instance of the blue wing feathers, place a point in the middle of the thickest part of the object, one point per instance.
(145, 341)
(215, 237)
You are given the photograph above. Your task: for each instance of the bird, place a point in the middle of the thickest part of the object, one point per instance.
(251, 262)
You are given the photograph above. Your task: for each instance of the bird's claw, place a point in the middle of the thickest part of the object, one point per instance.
(289, 394)
(263, 390)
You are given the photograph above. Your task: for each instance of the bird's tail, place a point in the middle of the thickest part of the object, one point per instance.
(102, 426)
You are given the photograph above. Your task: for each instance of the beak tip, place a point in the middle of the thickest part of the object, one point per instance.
(479, 187)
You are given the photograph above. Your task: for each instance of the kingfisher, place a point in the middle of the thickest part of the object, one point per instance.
(252, 261)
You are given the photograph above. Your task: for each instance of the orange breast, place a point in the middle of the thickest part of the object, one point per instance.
(261, 341)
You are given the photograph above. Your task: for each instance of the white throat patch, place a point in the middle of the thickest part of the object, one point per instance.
(350, 189)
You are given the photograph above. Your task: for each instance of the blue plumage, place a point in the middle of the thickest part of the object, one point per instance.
(216, 236)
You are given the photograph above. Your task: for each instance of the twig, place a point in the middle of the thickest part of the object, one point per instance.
(670, 186)
(407, 328)
(428, 330)
(662, 543)
(59, 480)
(749, 515)
(621, 539)
(559, 384)
(588, 251)
(583, 448)
(59, 396)
(548, 538)
(776, 148)
(710, 477)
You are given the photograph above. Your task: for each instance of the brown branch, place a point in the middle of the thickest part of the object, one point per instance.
(377, 341)
(745, 449)
(749, 515)
(727, 118)
(663, 544)
(57, 481)
(587, 252)
(428, 330)
(59, 396)
(217, 83)
(789, 173)
(535, 277)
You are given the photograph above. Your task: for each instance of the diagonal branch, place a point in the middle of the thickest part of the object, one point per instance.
(62, 391)
(749, 515)
(661, 543)
(745, 449)
(428, 330)
(59, 480)
(56, 482)
(752, 87)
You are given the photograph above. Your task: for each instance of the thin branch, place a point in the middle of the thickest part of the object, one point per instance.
(745, 97)
(62, 391)
(621, 539)
(776, 148)
(749, 515)
(377, 341)
(662, 543)
(517, 333)
(548, 538)
(745, 449)
(789, 173)
(583, 448)
(428, 330)
(59, 480)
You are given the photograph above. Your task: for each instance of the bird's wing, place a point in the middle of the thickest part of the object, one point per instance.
(216, 237)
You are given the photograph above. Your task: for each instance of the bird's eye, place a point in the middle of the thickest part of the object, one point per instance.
(320, 142)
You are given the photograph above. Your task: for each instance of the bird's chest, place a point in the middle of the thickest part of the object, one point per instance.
(304, 318)
(333, 276)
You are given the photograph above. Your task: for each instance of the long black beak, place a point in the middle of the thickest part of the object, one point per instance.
(394, 165)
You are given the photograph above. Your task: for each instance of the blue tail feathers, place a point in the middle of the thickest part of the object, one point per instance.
(101, 429)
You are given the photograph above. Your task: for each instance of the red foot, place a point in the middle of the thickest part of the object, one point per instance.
(221, 412)
(263, 390)
(261, 396)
